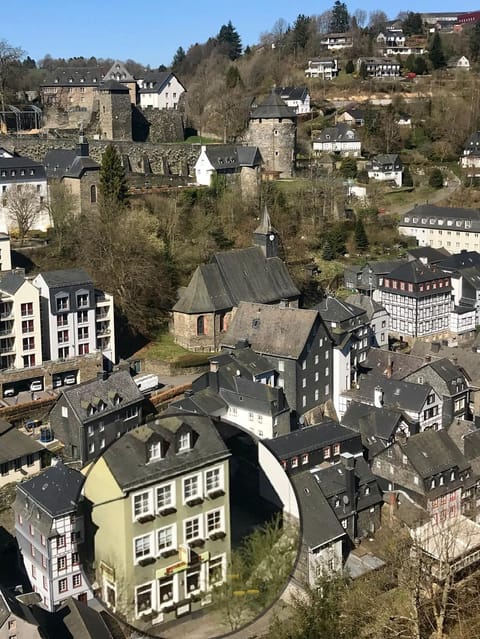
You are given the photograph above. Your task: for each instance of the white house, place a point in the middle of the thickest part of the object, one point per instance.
(386, 167)
(337, 41)
(340, 139)
(160, 90)
(22, 177)
(228, 160)
(459, 63)
(327, 69)
(298, 98)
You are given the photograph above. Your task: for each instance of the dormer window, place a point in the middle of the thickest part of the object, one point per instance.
(154, 451)
(184, 442)
(91, 410)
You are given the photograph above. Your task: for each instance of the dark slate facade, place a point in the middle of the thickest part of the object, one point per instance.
(90, 416)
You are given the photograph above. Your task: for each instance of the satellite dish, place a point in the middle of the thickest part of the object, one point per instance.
(345, 499)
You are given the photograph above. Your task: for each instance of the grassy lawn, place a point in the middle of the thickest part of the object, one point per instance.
(198, 139)
(165, 349)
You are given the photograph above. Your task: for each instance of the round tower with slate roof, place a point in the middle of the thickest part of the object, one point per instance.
(115, 111)
(273, 127)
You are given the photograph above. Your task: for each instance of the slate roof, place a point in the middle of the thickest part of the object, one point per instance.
(365, 302)
(319, 524)
(334, 310)
(19, 162)
(311, 438)
(292, 93)
(387, 158)
(472, 145)
(341, 132)
(126, 457)
(235, 276)
(273, 107)
(373, 423)
(80, 621)
(10, 605)
(452, 380)
(433, 452)
(205, 401)
(332, 480)
(268, 329)
(400, 365)
(467, 359)
(68, 163)
(460, 261)
(56, 489)
(226, 156)
(396, 393)
(430, 254)
(11, 281)
(159, 79)
(437, 217)
(246, 360)
(14, 444)
(113, 87)
(66, 277)
(82, 396)
(417, 273)
(79, 76)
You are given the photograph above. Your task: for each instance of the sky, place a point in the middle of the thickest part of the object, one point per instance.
(150, 31)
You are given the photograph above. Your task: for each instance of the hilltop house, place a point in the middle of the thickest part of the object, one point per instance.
(337, 41)
(297, 98)
(386, 167)
(325, 68)
(207, 305)
(471, 152)
(340, 139)
(379, 67)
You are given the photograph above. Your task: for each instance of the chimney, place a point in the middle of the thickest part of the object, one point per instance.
(455, 360)
(348, 461)
(378, 397)
(213, 366)
(428, 358)
(389, 371)
(435, 347)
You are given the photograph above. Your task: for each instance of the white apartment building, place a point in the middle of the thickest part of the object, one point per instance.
(443, 227)
(77, 319)
(49, 531)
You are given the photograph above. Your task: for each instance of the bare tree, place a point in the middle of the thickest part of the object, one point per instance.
(23, 208)
(9, 57)
(61, 208)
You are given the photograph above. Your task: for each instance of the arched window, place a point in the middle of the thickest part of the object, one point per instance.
(93, 194)
(201, 325)
(223, 324)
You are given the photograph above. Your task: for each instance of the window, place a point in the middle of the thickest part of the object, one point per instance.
(326, 452)
(192, 528)
(131, 411)
(82, 317)
(250, 417)
(62, 320)
(141, 504)
(165, 496)
(281, 366)
(166, 538)
(214, 521)
(165, 590)
(4, 468)
(336, 449)
(62, 585)
(62, 337)
(93, 194)
(192, 580)
(184, 442)
(64, 352)
(215, 571)
(142, 547)
(27, 326)
(304, 459)
(83, 349)
(201, 325)
(61, 541)
(30, 460)
(91, 448)
(143, 598)
(294, 462)
(83, 332)
(28, 361)
(213, 479)
(191, 487)
(82, 300)
(62, 563)
(344, 523)
(75, 558)
(62, 303)
(90, 430)
(154, 451)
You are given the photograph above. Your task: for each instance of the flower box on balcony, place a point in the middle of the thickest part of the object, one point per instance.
(170, 608)
(213, 494)
(169, 510)
(197, 543)
(194, 501)
(168, 553)
(146, 561)
(145, 518)
(219, 534)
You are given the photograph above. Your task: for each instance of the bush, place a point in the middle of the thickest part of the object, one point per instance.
(436, 179)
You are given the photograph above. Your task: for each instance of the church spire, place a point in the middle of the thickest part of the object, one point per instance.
(265, 236)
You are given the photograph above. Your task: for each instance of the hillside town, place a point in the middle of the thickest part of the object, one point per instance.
(239, 336)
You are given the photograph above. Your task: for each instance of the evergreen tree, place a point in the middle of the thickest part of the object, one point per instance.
(178, 58)
(420, 66)
(333, 243)
(407, 179)
(436, 179)
(363, 73)
(348, 167)
(360, 235)
(340, 21)
(412, 25)
(232, 78)
(300, 32)
(229, 39)
(113, 184)
(349, 67)
(437, 57)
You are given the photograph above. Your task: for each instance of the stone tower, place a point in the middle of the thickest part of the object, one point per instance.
(265, 236)
(273, 127)
(115, 111)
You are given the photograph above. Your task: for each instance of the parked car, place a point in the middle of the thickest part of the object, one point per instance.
(70, 379)
(36, 385)
(57, 382)
(9, 392)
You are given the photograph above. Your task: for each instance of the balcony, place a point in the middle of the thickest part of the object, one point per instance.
(101, 314)
(7, 314)
(6, 330)
(103, 330)
(7, 347)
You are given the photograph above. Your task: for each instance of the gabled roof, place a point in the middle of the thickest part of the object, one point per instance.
(117, 391)
(228, 156)
(11, 281)
(160, 80)
(292, 93)
(438, 217)
(127, 460)
(10, 605)
(75, 76)
(372, 422)
(429, 254)
(387, 158)
(397, 394)
(394, 364)
(416, 273)
(273, 107)
(334, 310)
(311, 438)
(69, 163)
(332, 479)
(81, 621)
(341, 132)
(235, 276)
(365, 302)
(432, 452)
(66, 277)
(319, 524)
(15, 444)
(56, 489)
(460, 261)
(244, 360)
(268, 329)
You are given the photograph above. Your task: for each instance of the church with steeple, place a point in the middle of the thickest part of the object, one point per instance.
(206, 306)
